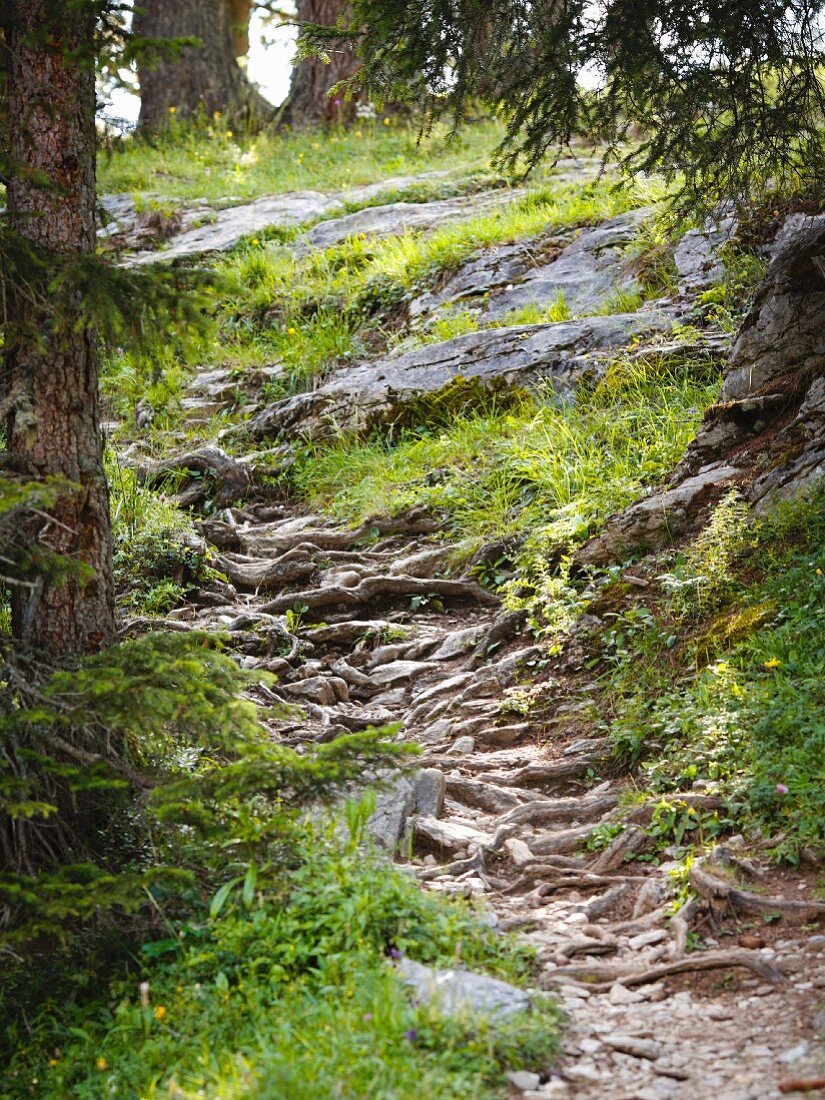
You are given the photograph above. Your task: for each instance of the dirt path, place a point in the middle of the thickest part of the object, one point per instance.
(502, 803)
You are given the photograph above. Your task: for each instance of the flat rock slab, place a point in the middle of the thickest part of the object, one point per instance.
(223, 229)
(588, 270)
(356, 399)
(460, 992)
(397, 218)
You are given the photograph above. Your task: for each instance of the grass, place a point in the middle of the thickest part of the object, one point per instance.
(189, 162)
(543, 471)
(718, 677)
(285, 993)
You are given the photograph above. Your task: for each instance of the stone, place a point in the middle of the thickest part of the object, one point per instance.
(393, 807)
(397, 218)
(620, 995)
(523, 1080)
(449, 834)
(429, 788)
(587, 272)
(462, 746)
(629, 1044)
(698, 256)
(457, 643)
(458, 992)
(355, 399)
(324, 690)
(396, 672)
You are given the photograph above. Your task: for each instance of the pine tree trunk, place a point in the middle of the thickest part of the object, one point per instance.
(309, 102)
(239, 13)
(200, 78)
(53, 428)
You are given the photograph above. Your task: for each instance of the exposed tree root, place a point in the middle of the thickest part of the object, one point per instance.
(376, 588)
(232, 478)
(262, 575)
(720, 891)
(599, 979)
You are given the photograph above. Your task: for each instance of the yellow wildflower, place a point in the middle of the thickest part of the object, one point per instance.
(255, 241)
(774, 662)
(172, 110)
(386, 122)
(359, 133)
(819, 572)
(229, 134)
(52, 1062)
(291, 331)
(216, 115)
(160, 1013)
(101, 1064)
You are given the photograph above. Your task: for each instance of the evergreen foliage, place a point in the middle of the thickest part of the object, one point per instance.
(728, 97)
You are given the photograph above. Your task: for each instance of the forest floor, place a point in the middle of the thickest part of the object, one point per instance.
(420, 403)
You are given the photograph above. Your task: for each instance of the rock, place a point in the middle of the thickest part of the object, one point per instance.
(620, 995)
(519, 851)
(698, 255)
(457, 643)
(462, 746)
(429, 787)
(356, 399)
(396, 672)
(420, 792)
(587, 272)
(656, 520)
(449, 834)
(457, 992)
(638, 1048)
(503, 736)
(398, 218)
(523, 1080)
(230, 225)
(324, 690)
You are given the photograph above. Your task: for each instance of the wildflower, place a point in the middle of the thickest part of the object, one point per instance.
(255, 241)
(411, 1035)
(229, 134)
(52, 1062)
(819, 572)
(101, 1064)
(386, 122)
(336, 103)
(359, 134)
(160, 1013)
(216, 115)
(292, 332)
(367, 1017)
(395, 953)
(780, 788)
(172, 110)
(774, 662)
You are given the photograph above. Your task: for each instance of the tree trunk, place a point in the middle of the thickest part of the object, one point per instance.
(239, 13)
(53, 428)
(309, 102)
(199, 78)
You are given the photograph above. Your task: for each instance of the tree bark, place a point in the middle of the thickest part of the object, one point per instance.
(239, 13)
(309, 102)
(203, 78)
(53, 428)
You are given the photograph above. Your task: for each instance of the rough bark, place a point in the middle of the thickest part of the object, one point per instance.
(309, 102)
(53, 426)
(239, 13)
(203, 78)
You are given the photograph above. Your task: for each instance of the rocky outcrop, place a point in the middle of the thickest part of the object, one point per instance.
(586, 265)
(397, 218)
(356, 399)
(766, 432)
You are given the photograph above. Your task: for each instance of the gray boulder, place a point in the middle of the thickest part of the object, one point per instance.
(406, 796)
(461, 992)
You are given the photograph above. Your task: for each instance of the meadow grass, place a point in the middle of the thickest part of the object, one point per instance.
(192, 161)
